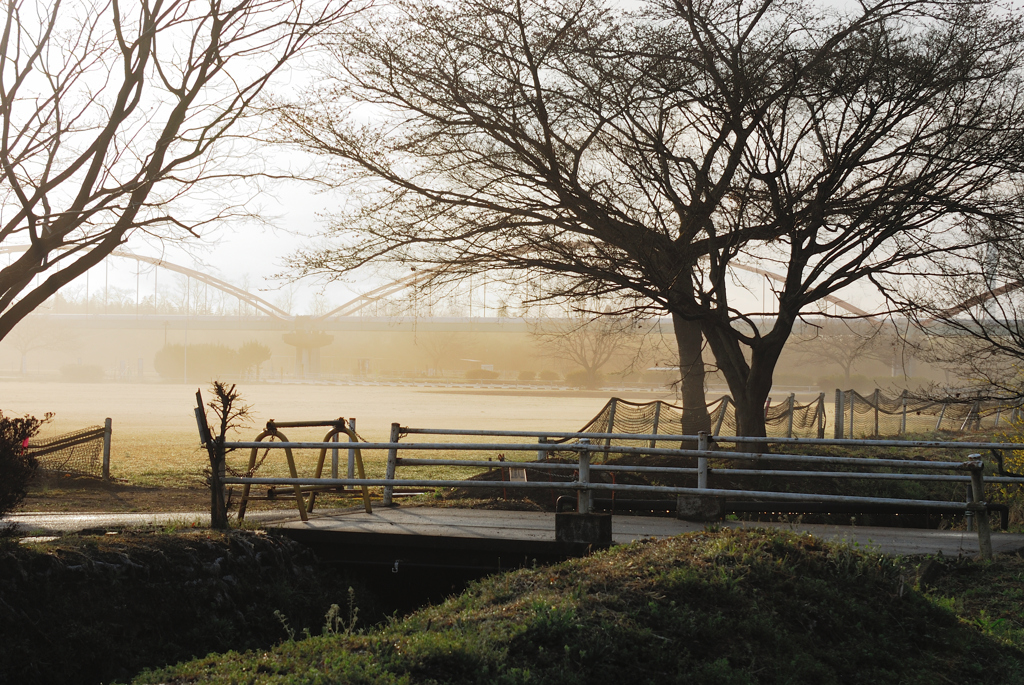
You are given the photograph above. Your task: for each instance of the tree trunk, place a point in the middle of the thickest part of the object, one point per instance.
(749, 382)
(691, 370)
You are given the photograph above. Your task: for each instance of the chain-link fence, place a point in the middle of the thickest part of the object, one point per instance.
(877, 414)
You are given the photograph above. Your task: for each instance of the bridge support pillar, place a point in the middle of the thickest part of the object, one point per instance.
(583, 532)
(700, 508)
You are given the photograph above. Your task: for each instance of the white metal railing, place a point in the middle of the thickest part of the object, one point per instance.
(706, 447)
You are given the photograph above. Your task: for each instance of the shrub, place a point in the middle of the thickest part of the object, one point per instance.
(582, 379)
(527, 375)
(548, 375)
(81, 373)
(481, 374)
(204, 362)
(16, 463)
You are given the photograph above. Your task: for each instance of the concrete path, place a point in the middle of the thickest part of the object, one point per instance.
(50, 523)
(520, 525)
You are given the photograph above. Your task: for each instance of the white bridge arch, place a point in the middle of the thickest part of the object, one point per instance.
(360, 302)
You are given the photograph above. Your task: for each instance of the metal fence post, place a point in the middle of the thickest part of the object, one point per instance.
(392, 464)
(702, 461)
(840, 411)
(107, 423)
(351, 450)
(542, 454)
(584, 466)
(942, 413)
(977, 505)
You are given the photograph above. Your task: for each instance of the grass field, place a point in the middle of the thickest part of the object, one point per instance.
(155, 439)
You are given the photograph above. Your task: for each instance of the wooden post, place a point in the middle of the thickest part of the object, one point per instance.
(106, 448)
(351, 450)
(821, 416)
(396, 430)
(657, 420)
(875, 400)
(613, 403)
(334, 451)
(980, 511)
(721, 416)
(215, 451)
(853, 400)
(942, 413)
(903, 423)
(840, 412)
(792, 406)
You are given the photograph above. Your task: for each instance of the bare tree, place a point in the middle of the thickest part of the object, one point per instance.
(843, 343)
(649, 153)
(113, 114)
(969, 314)
(589, 342)
(442, 346)
(37, 333)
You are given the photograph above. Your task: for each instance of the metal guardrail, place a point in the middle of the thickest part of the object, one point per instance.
(586, 446)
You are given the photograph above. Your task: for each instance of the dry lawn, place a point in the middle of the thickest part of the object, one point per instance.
(155, 439)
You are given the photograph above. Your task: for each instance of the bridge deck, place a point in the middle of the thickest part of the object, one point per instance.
(522, 531)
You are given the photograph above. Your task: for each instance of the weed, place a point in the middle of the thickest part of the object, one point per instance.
(336, 624)
(289, 631)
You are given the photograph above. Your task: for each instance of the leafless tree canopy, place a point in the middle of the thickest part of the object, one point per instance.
(847, 343)
(113, 113)
(648, 152)
(969, 314)
(590, 342)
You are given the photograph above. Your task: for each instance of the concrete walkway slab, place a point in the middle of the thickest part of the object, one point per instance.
(540, 526)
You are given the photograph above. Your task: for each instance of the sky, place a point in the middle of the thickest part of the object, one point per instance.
(249, 255)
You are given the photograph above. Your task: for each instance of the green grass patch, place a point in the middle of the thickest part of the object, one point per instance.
(91, 609)
(715, 607)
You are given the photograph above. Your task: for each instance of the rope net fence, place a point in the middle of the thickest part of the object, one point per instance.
(853, 416)
(785, 419)
(878, 414)
(78, 452)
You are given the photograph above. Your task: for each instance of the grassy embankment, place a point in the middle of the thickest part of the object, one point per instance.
(714, 607)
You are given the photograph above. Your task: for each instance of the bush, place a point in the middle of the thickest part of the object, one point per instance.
(481, 374)
(16, 463)
(205, 361)
(857, 381)
(548, 375)
(583, 379)
(527, 375)
(81, 373)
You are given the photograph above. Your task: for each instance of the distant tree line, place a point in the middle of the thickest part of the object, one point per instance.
(203, 362)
